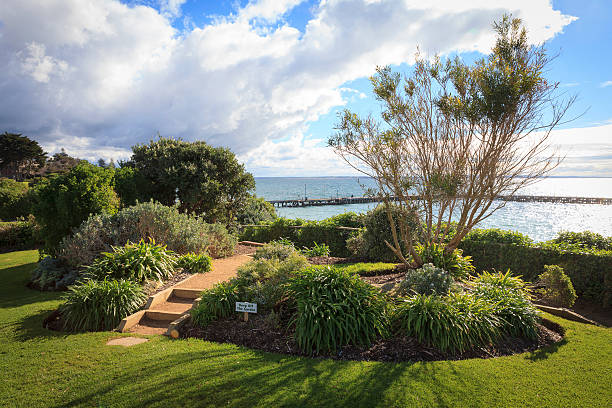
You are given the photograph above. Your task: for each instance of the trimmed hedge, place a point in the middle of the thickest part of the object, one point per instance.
(590, 270)
(311, 232)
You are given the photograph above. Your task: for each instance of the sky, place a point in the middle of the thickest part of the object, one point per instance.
(267, 78)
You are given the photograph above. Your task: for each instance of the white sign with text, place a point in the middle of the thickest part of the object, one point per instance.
(246, 307)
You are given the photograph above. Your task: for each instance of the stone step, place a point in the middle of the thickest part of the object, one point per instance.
(175, 304)
(187, 293)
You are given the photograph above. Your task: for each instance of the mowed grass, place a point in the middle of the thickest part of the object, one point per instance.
(40, 368)
(364, 268)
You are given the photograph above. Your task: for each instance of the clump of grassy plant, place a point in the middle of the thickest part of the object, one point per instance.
(455, 263)
(100, 305)
(316, 250)
(512, 302)
(194, 263)
(335, 309)
(455, 323)
(217, 302)
(139, 262)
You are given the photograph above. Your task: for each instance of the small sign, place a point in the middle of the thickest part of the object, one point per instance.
(246, 307)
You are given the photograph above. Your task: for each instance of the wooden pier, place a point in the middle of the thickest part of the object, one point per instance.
(363, 200)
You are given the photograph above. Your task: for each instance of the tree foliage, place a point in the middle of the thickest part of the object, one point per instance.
(14, 202)
(59, 163)
(256, 210)
(203, 179)
(65, 201)
(455, 137)
(20, 156)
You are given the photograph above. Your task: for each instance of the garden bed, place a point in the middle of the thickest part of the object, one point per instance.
(261, 333)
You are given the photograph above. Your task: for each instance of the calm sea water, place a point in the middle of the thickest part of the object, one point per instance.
(541, 221)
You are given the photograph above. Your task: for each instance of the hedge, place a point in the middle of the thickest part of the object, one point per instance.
(325, 231)
(17, 235)
(590, 270)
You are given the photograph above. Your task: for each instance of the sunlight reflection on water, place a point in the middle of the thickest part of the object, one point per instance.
(541, 221)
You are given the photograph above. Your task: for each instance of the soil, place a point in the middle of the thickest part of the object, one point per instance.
(328, 260)
(380, 280)
(262, 333)
(151, 288)
(241, 249)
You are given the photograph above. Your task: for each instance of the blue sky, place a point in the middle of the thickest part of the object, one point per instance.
(267, 77)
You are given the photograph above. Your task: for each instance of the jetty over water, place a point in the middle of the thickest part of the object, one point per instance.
(300, 202)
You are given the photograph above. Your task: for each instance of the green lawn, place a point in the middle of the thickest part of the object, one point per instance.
(42, 368)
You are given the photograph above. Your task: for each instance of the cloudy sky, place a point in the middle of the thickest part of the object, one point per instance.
(267, 78)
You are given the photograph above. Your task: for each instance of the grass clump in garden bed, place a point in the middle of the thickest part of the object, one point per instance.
(335, 309)
(100, 305)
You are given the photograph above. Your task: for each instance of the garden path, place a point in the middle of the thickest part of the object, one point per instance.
(156, 319)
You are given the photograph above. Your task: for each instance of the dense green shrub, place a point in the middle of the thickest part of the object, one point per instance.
(498, 236)
(194, 263)
(586, 239)
(370, 242)
(180, 232)
(100, 305)
(427, 280)
(455, 263)
(256, 210)
(275, 250)
(454, 323)
(263, 280)
(512, 302)
(15, 202)
(52, 274)
(558, 289)
(335, 309)
(217, 302)
(65, 201)
(141, 262)
(590, 270)
(18, 235)
(309, 232)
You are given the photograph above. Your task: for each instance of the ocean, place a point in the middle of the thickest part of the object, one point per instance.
(540, 221)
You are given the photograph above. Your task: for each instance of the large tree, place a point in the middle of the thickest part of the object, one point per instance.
(454, 138)
(202, 179)
(20, 156)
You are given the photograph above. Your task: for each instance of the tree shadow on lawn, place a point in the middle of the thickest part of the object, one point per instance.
(545, 352)
(15, 293)
(31, 327)
(236, 376)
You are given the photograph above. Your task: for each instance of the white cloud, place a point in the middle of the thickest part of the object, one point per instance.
(171, 8)
(114, 75)
(605, 84)
(40, 66)
(587, 151)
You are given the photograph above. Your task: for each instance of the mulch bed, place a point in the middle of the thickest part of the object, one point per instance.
(379, 280)
(261, 333)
